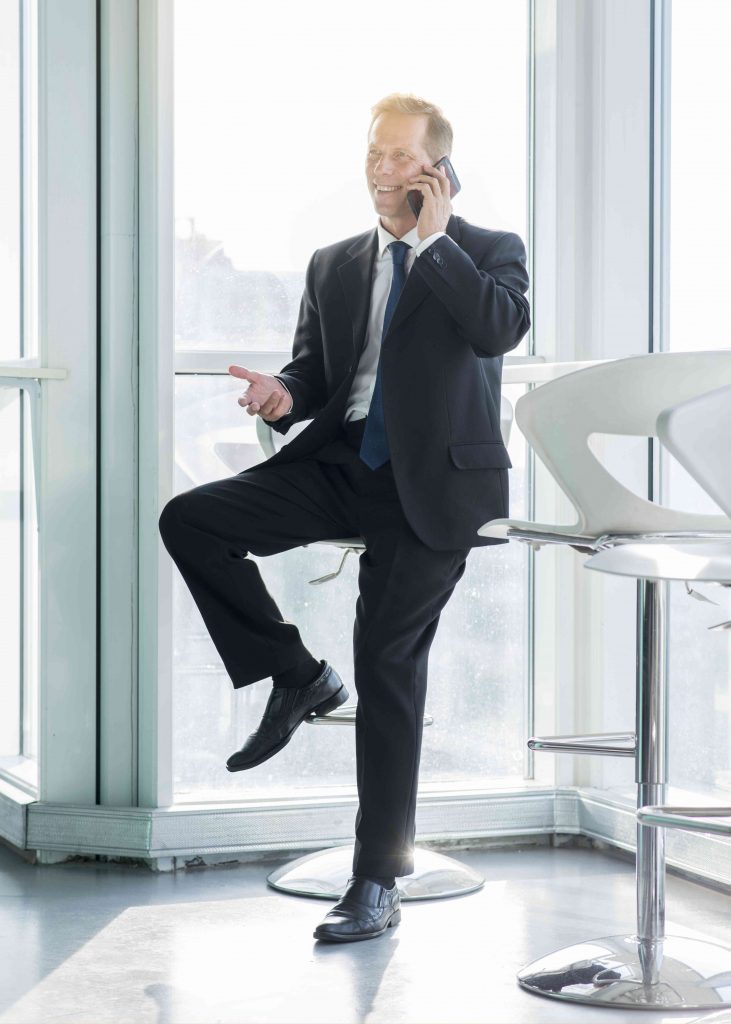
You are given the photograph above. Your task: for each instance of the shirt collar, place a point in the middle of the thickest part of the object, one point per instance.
(385, 238)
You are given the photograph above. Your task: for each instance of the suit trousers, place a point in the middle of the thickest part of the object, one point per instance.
(403, 587)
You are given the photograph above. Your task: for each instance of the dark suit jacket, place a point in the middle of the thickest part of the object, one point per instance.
(462, 307)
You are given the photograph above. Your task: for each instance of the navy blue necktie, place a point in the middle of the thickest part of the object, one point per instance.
(374, 450)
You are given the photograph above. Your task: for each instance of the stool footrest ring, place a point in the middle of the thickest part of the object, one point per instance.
(345, 715)
(694, 819)
(607, 744)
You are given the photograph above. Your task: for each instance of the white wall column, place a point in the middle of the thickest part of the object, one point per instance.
(156, 397)
(119, 402)
(68, 330)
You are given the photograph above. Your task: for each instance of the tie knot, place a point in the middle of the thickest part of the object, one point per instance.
(398, 252)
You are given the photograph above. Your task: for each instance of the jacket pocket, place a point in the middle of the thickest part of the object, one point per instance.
(480, 455)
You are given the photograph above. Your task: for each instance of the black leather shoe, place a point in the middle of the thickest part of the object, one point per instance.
(286, 709)
(364, 911)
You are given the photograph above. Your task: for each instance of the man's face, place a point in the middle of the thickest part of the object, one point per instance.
(395, 153)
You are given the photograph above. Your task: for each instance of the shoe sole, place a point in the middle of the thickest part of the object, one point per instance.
(393, 920)
(330, 704)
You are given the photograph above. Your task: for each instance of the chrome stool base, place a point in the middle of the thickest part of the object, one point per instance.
(325, 874)
(673, 973)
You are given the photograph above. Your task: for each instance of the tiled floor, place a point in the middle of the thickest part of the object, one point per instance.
(100, 943)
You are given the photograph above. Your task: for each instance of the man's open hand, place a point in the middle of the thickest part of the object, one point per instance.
(265, 395)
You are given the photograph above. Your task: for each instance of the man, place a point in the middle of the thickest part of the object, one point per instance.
(397, 361)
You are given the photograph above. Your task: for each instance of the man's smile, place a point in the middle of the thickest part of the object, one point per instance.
(386, 188)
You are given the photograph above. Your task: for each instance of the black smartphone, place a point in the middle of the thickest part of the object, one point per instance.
(415, 197)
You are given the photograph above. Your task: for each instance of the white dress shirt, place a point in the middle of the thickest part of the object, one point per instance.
(364, 382)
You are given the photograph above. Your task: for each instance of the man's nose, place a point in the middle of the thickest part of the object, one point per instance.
(384, 166)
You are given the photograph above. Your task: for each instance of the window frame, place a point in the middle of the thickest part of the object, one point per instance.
(59, 308)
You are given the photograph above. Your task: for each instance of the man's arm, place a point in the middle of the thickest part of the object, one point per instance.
(488, 302)
(304, 376)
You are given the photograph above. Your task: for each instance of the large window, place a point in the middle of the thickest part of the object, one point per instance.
(18, 400)
(699, 266)
(271, 114)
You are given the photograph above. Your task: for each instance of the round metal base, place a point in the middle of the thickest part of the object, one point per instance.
(672, 974)
(325, 874)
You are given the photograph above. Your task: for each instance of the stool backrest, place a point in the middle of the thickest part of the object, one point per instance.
(624, 396)
(698, 433)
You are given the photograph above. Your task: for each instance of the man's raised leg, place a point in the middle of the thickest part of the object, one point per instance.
(209, 532)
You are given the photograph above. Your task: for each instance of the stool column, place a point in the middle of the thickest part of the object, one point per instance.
(651, 769)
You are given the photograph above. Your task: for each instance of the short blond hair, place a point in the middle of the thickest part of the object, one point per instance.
(439, 135)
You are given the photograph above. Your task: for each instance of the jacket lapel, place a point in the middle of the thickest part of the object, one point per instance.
(356, 277)
(416, 289)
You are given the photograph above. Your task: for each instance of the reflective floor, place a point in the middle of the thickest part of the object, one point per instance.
(95, 943)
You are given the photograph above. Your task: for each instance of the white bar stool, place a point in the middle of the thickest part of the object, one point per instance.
(325, 873)
(696, 432)
(643, 970)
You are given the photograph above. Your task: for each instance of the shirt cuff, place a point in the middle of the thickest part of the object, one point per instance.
(288, 392)
(428, 241)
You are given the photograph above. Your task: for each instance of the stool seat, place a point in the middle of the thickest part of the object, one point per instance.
(708, 560)
(356, 543)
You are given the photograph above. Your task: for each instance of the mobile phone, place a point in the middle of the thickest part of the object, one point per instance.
(415, 197)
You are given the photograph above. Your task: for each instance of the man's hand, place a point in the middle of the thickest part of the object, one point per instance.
(265, 395)
(437, 206)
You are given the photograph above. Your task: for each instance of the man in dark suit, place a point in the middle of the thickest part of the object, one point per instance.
(397, 361)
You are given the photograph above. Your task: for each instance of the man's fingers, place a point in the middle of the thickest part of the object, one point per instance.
(427, 186)
(279, 411)
(421, 187)
(285, 406)
(243, 373)
(270, 404)
(275, 401)
(432, 182)
(444, 182)
(264, 396)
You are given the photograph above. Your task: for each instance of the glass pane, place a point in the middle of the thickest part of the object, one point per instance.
(700, 223)
(30, 577)
(266, 173)
(11, 504)
(259, 187)
(18, 590)
(477, 665)
(10, 181)
(700, 167)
